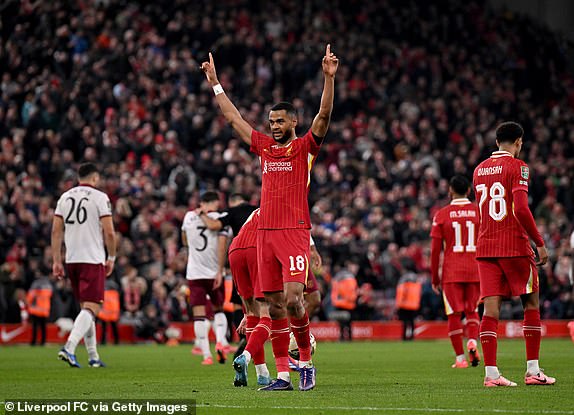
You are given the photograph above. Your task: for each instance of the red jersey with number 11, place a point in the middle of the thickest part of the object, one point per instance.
(457, 225)
(285, 178)
(495, 181)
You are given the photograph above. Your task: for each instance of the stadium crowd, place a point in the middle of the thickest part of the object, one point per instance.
(421, 87)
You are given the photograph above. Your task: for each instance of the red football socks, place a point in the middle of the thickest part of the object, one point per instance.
(300, 328)
(280, 343)
(472, 323)
(257, 339)
(532, 333)
(455, 333)
(489, 340)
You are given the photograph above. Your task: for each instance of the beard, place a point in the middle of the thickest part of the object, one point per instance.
(284, 138)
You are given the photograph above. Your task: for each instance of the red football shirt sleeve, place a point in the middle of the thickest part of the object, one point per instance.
(520, 177)
(313, 146)
(257, 142)
(525, 218)
(436, 247)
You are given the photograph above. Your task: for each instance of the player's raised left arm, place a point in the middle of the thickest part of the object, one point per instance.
(321, 121)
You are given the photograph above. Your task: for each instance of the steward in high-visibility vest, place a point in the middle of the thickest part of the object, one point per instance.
(110, 311)
(39, 300)
(408, 302)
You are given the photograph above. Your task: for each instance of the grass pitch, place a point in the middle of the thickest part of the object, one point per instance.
(353, 378)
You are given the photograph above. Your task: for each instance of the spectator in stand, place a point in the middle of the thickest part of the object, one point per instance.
(125, 80)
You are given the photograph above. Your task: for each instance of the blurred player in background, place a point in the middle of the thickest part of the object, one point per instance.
(283, 234)
(257, 321)
(505, 258)
(206, 259)
(238, 212)
(455, 228)
(83, 221)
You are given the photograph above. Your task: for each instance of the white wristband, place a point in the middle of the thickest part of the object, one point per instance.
(111, 258)
(217, 89)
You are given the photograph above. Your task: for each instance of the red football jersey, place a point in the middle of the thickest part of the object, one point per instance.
(247, 236)
(285, 180)
(495, 181)
(457, 226)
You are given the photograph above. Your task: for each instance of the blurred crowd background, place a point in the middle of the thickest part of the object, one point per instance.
(419, 91)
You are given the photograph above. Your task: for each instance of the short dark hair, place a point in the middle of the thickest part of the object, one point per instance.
(238, 196)
(509, 132)
(86, 170)
(285, 106)
(459, 184)
(209, 197)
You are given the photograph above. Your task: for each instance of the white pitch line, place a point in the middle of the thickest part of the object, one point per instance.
(390, 409)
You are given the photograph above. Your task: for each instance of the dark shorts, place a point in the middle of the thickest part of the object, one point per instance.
(460, 297)
(312, 284)
(282, 256)
(243, 264)
(88, 281)
(507, 277)
(200, 289)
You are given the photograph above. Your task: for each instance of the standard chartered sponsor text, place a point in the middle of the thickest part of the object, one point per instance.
(279, 166)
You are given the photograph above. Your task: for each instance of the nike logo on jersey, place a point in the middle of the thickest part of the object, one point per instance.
(6, 336)
(296, 273)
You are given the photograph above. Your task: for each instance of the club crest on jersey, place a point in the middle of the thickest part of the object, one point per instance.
(524, 172)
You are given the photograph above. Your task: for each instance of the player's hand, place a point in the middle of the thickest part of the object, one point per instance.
(109, 267)
(209, 69)
(330, 62)
(436, 288)
(242, 326)
(58, 270)
(217, 280)
(542, 255)
(316, 260)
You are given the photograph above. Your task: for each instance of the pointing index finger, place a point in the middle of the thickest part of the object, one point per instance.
(210, 58)
(328, 51)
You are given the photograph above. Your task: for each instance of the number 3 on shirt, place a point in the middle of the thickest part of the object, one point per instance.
(497, 204)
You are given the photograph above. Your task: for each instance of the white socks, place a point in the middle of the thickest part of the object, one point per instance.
(492, 372)
(90, 341)
(262, 370)
(284, 376)
(532, 367)
(82, 324)
(200, 327)
(220, 323)
(247, 356)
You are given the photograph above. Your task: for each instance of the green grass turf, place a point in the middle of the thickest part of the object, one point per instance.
(353, 378)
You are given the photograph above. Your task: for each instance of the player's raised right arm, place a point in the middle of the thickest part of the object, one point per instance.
(230, 111)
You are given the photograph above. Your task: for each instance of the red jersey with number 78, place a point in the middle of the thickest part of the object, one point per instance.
(457, 226)
(495, 181)
(285, 179)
